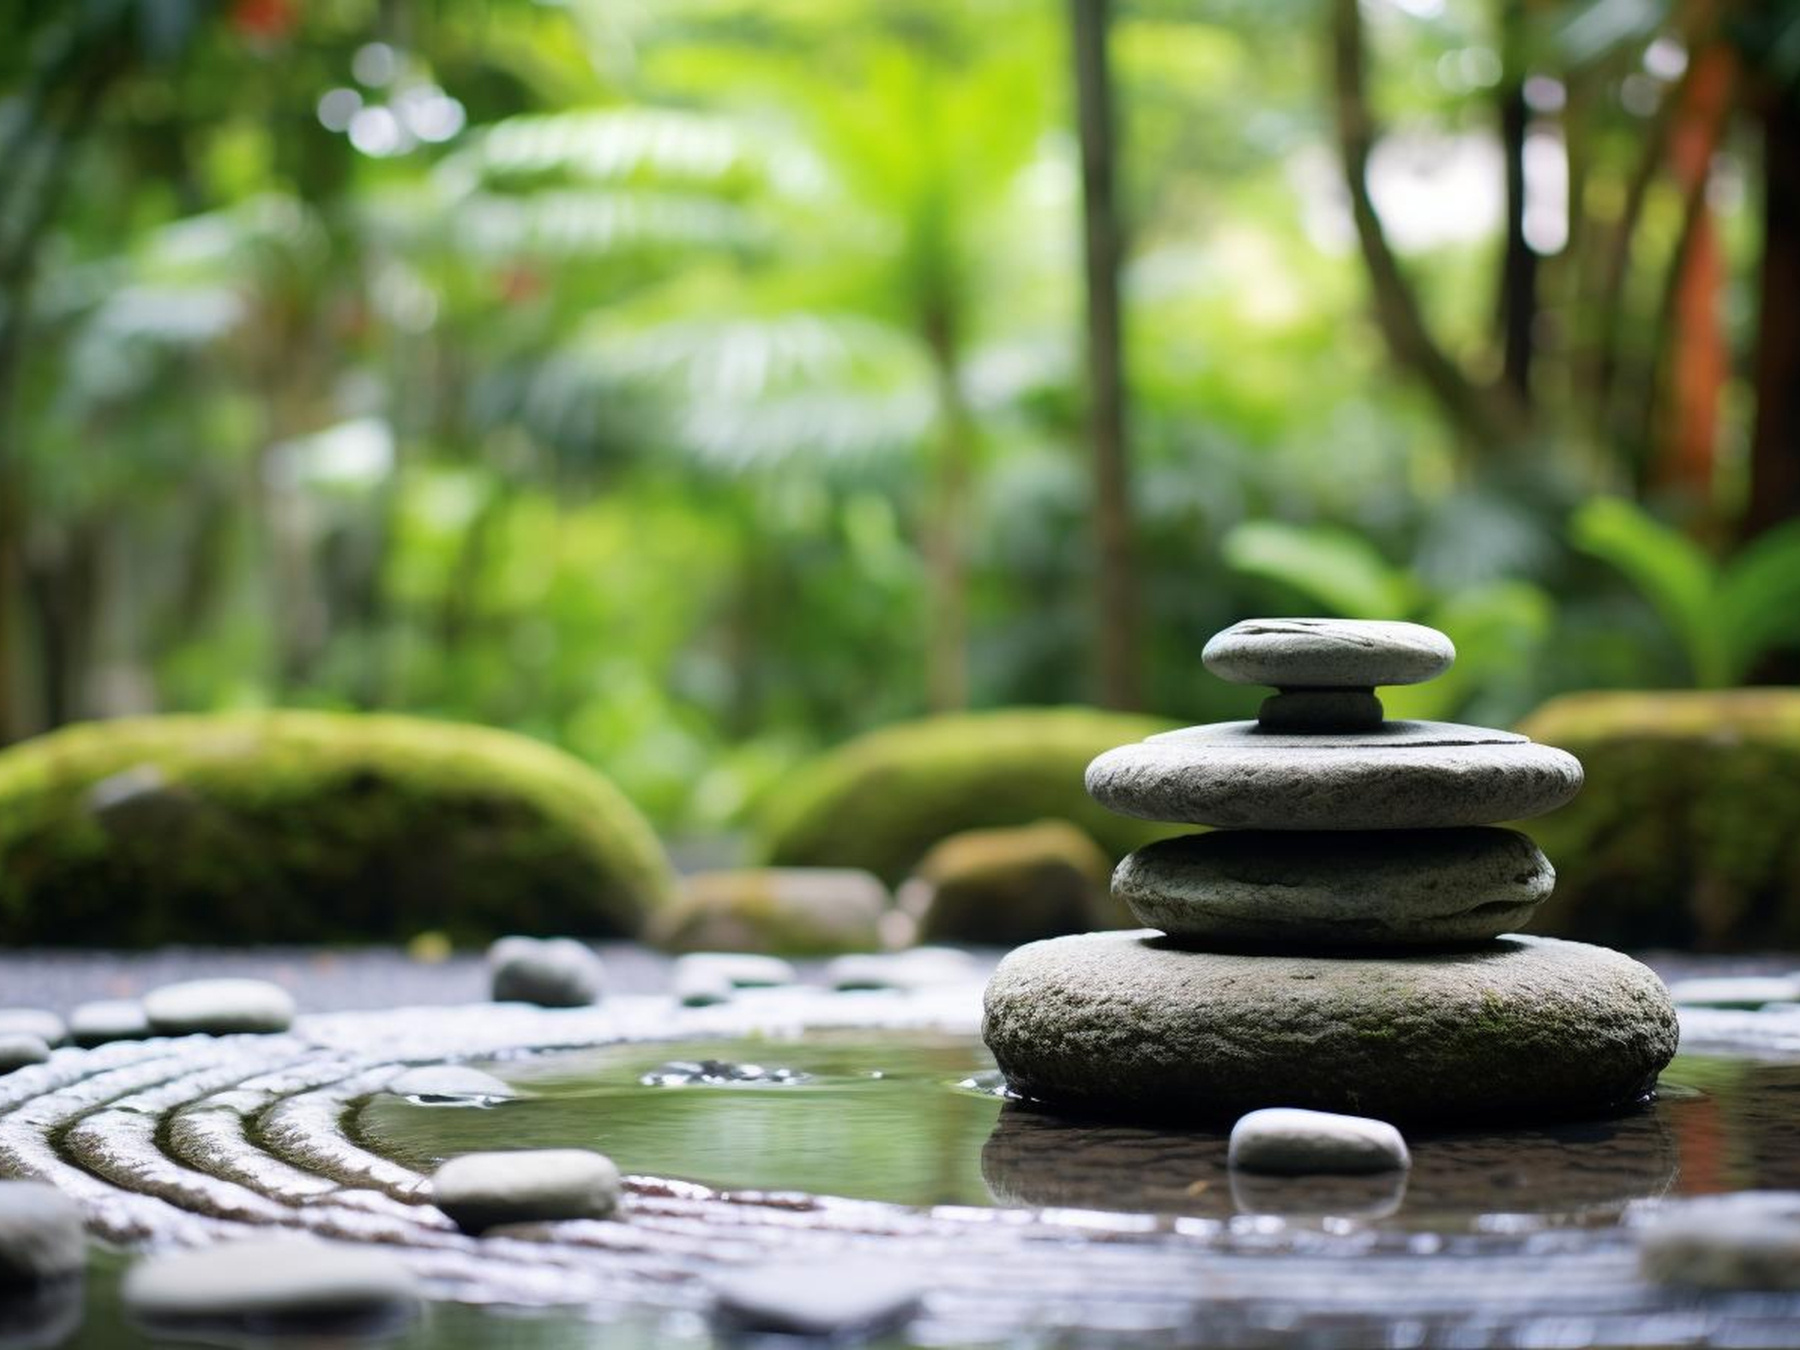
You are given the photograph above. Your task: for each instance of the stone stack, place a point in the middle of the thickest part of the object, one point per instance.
(1340, 940)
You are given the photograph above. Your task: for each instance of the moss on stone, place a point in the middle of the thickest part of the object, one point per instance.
(1687, 832)
(880, 801)
(315, 827)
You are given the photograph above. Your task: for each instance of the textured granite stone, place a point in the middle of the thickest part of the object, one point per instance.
(1328, 653)
(1127, 1023)
(1333, 889)
(1408, 775)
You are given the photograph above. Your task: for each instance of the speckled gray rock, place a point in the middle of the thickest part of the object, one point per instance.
(550, 972)
(272, 1283)
(1288, 1141)
(108, 1019)
(837, 1301)
(482, 1190)
(46, 1026)
(1332, 889)
(1328, 653)
(1406, 775)
(1749, 1242)
(41, 1236)
(20, 1050)
(219, 1008)
(1128, 1023)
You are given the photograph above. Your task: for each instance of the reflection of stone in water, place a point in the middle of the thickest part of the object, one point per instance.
(41, 1315)
(1371, 1196)
(1584, 1168)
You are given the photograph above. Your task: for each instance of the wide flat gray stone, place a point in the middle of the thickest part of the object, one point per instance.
(1240, 778)
(1129, 1024)
(108, 1019)
(483, 1190)
(41, 1236)
(272, 1282)
(1333, 889)
(1328, 653)
(219, 1008)
(46, 1026)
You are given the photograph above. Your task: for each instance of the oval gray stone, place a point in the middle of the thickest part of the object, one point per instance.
(271, 1282)
(219, 1008)
(1355, 781)
(1328, 653)
(838, 1301)
(549, 972)
(41, 1236)
(482, 1190)
(1336, 889)
(108, 1019)
(20, 1050)
(1129, 1023)
(38, 1022)
(1288, 1141)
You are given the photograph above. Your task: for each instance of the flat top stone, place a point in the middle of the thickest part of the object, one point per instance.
(1290, 1141)
(482, 1190)
(1328, 653)
(219, 1007)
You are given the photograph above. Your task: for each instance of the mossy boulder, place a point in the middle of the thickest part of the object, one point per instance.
(1687, 832)
(782, 911)
(1003, 887)
(312, 827)
(880, 801)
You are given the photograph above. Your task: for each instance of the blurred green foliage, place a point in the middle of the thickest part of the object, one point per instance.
(653, 379)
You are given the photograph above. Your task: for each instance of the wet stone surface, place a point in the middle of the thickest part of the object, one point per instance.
(892, 1149)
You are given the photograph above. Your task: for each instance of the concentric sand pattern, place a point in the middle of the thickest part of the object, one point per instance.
(1338, 943)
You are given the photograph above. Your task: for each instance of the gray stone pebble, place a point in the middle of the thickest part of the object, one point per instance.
(20, 1050)
(701, 987)
(219, 1008)
(550, 972)
(270, 1283)
(830, 1299)
(111, 1019)
(1748, 1242)
(46, 1026)
(1128, 1022)
(1337, 889)
(1248, 782)
(483, 1190)
(915, 968)
(41, 1235)
(1328, 653)
(741, 970)
(1287, 1141)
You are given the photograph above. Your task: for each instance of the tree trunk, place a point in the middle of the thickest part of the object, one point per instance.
(1518, 299)
(1775, 441)
(1117, 649)
(945, 529)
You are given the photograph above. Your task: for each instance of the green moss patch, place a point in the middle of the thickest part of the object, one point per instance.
(880, 801)
(312, 827)
(1687, 832)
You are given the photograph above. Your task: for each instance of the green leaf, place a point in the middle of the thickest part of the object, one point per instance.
(1670, 570)
(1759, 598)
(1334, 568)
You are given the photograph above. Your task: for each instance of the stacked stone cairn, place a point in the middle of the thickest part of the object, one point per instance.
(1343, 939)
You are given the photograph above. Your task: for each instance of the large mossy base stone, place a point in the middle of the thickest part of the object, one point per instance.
(1126, 1024)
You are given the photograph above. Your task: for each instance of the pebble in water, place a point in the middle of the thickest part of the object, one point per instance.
(272, 1284)
(40, 1234)
(480, 1191)
(1749, 1241)
(1291, 1142)
(219, 1008)
(19, 1050)
(110, 1019)
(450, 1085)
(1734, 991)
(550, 972)
(46, 1026)
(717, 1073)
(841, 1300)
